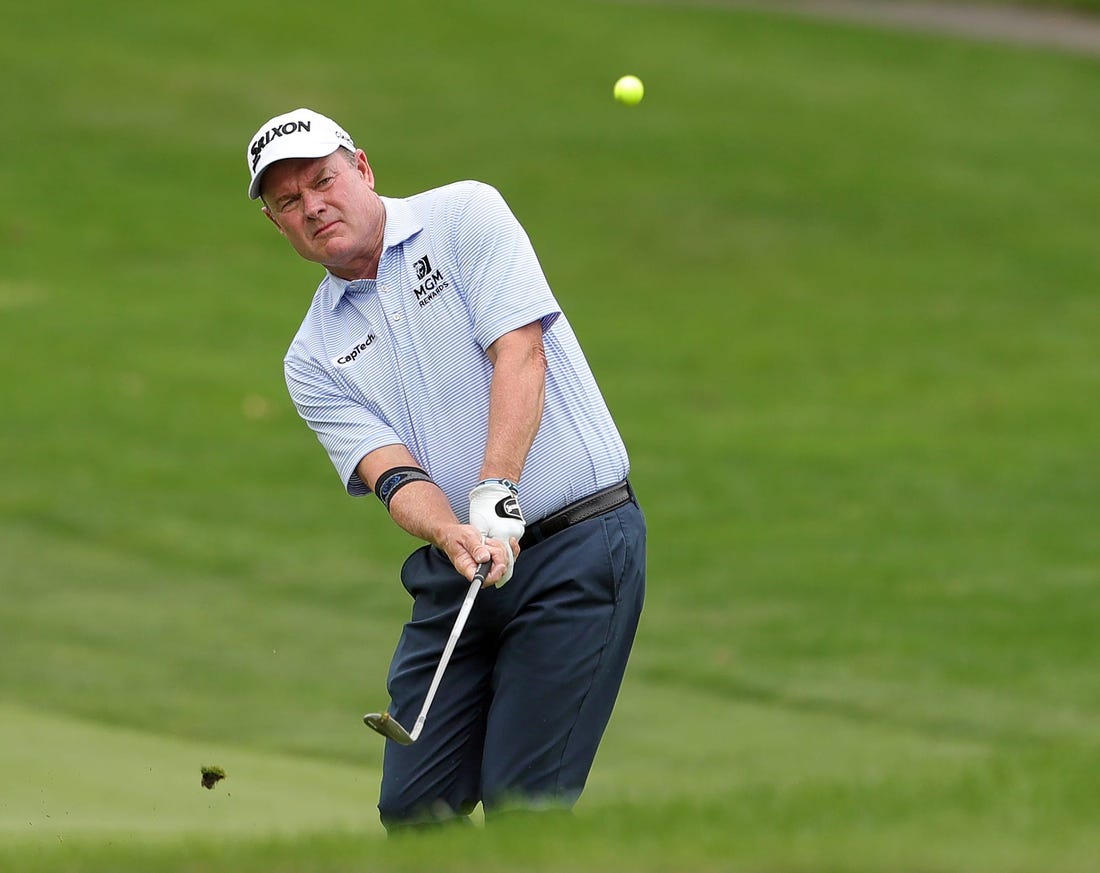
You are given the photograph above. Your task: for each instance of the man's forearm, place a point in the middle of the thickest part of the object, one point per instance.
(422, 510)
(516, 398)
(418, 507)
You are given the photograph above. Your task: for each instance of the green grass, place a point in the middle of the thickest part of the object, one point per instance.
(839, 288)
(1054, 5)
(90, 782)
(1041, 5)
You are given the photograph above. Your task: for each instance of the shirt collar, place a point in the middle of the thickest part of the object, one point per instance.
(401, 224)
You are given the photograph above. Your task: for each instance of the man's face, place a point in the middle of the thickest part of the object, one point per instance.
(326, 208)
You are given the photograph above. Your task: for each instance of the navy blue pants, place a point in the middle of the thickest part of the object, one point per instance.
(532, 682)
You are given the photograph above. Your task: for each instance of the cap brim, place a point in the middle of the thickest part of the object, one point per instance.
(320, 150)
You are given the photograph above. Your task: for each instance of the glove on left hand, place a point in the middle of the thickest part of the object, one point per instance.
(494, 510)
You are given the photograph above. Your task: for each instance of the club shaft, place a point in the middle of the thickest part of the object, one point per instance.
(448, 650)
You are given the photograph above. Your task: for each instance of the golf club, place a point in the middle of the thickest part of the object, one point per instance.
(387, 725)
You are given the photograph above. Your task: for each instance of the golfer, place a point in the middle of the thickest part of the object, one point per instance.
(439, 373)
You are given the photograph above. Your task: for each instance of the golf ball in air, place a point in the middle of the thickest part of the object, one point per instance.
(629, 90)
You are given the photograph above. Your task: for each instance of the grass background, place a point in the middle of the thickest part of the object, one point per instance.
(1026, 5)
(839, 287)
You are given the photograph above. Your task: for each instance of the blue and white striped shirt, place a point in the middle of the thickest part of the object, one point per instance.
(401, 359)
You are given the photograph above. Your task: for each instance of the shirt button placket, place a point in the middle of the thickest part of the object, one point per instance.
(395, 314)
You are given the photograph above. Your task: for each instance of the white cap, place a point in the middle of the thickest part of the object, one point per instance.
(302, 133)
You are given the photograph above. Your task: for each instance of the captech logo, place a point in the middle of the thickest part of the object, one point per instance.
(354, 352)
(284, 129)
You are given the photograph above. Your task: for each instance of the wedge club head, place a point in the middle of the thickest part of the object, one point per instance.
(387, 726)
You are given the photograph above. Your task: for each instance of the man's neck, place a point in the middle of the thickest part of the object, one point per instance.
(365, 267)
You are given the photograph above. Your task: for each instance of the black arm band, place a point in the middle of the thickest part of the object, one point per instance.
(396, 478)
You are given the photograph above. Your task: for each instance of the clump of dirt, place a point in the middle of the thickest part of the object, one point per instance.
(211, 776)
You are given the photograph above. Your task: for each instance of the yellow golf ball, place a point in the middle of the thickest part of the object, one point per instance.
(629, 90)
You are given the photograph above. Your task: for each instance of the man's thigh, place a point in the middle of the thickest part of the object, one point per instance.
(562, 657)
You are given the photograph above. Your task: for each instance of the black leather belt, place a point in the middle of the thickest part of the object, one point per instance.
(602, 501)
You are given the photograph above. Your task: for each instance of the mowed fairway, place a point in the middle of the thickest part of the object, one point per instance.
(839, 286)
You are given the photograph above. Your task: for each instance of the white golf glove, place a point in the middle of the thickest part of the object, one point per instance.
(494, 510)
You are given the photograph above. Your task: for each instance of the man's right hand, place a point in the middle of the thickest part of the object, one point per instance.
(466, 548)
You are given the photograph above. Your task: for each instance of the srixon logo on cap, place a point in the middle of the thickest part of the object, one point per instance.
(284, 129)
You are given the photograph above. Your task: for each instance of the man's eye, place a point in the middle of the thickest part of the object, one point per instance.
(325, 182)
(288, 203)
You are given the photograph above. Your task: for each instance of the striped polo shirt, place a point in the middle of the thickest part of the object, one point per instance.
(401, 359)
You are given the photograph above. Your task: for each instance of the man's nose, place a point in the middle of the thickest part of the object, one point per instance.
(312, 202)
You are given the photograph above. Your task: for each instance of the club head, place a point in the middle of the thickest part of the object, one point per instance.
(387, 727)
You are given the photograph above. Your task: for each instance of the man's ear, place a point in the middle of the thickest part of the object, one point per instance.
(363, 167)
(274, 220)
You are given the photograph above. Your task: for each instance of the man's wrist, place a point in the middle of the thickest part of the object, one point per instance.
(507, 483)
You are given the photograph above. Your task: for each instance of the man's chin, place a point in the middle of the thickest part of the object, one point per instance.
(330, 250)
